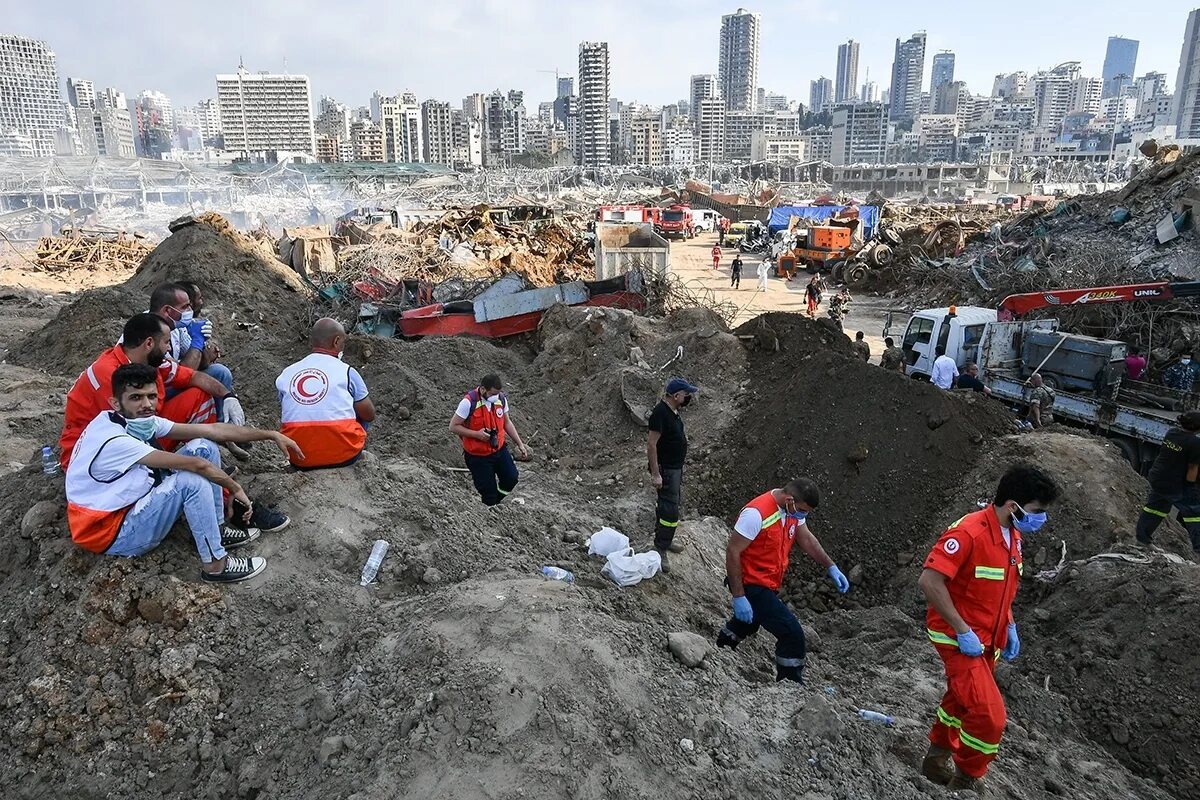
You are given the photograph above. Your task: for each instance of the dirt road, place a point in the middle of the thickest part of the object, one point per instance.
(691, 260)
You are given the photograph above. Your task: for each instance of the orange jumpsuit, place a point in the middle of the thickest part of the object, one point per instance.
(983, 573)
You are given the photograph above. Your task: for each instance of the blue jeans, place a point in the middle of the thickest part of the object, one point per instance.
(221, 374)
(151, 518)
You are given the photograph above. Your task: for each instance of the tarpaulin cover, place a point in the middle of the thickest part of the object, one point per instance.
(781, 216)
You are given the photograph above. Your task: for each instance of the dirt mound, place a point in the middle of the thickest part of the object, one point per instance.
(886, 451)
(1117, 641)
(248, 293)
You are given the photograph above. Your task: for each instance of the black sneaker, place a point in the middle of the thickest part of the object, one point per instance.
(231, 470)
(236, 569)
(268, 520)
(233, 537)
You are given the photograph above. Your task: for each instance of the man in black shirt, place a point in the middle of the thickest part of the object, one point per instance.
(666, 450)
(735, 272)
(969, 379)
(1173, 481)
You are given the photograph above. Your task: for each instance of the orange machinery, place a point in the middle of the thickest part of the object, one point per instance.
(827, 245)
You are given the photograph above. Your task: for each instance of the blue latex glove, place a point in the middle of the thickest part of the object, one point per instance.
(1012, 648)
(195, 330)
(839, 580)
(742, 610)
(969, 644)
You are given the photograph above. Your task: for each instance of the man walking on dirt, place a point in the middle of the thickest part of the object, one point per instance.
(970, 579)
(666, 450)
(483, 422)
(764, 272)
(756, 559)
(1173, 482)
(812, 295)
(735, 272)
(716, 255)
(124, 494)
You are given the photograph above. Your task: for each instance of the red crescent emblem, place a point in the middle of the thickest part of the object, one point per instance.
(309, 387)
(300, 385)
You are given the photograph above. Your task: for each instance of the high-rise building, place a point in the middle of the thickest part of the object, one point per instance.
(869, 92)
(710, 138)
(81, 93)
(703, 87)
(847, 72)
(646, 133)
(265, 112)
(1120, 60)
(400, 120)
(1011, 84)
(943, 71)
(859, 134)
(468, 139)
(593, 138)
(820, 95)
(1186, 105)
(31, 107)
(737, 65)
(1055, 93)
(332, 130)
(908, 71)
(564, 87)
(154, 122)
(439, 132)
(503, 127)
(1148, 88)
(366, 141)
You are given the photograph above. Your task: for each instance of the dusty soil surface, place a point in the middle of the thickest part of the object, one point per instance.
(462, 674)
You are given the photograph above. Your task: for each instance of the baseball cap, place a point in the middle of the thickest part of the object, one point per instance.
(680, 385)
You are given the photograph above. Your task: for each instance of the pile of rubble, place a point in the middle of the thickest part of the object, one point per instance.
(80, 248)
(468, 244)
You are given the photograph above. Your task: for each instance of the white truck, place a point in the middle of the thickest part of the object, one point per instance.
(1087, 373)
(704, 219)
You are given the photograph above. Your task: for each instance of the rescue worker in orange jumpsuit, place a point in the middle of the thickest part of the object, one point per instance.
(970, 579)
(756, 559)
(484, 423)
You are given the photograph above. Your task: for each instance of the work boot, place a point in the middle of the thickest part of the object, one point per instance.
(962, 780)
(675, 546)
(666, 562)
(937, 765)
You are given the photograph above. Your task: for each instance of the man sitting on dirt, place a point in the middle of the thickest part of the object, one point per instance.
(325, 407)
(210, 359)
(124, 493)
(893, 357)
(189, 336)
(860, 348)
(483, 422)
(146, 339)
(970, 579)
(1041, 400)
(1173, 482)
(756, 559)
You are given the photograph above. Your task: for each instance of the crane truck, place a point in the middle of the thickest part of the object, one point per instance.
(1087, 373)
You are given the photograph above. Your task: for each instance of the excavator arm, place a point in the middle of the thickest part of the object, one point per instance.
(1018, 305)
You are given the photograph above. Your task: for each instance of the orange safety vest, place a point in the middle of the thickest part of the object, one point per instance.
(765, 561)
(482, 417)
(96, 509)
(983, 575)
(317, 411)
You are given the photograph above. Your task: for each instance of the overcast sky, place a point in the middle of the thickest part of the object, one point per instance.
(448, 49)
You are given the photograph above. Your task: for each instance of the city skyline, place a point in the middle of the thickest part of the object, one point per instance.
(515, 43)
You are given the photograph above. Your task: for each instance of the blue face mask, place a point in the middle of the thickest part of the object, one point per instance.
(1030, 521)
(141, 428)
(799, 516)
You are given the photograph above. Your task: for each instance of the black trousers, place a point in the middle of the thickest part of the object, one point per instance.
(494, 476)
(1158, 506)
(773, 614)
(667, 508)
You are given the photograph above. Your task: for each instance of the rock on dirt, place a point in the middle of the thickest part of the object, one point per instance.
(689, 649)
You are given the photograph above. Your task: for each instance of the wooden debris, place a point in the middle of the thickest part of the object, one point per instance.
(77, 248)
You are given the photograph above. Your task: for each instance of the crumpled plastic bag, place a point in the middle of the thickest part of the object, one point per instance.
(626, 568)
(605, 541)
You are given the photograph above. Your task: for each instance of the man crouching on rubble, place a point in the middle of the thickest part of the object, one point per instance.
(756, 559)
(124, 494)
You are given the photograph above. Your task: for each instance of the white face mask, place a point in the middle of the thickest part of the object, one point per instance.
(1185, 361)
(186, 318)
(141, 428)
(493, 400)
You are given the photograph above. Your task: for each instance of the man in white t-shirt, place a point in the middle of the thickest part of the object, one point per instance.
(944, 371)
(124, 494)
(756, 559)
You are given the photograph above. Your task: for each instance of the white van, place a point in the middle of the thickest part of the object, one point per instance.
(957, 329)
(704, 219)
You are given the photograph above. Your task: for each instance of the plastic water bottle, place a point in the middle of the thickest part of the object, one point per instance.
(558, 574)
(49, 462)
(371, 569)
(875, 716)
